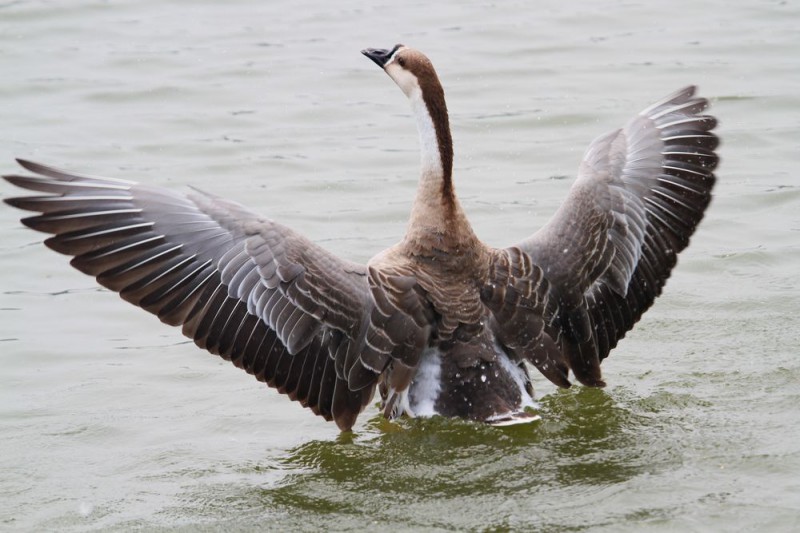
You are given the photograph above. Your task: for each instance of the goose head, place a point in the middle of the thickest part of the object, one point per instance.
(410, 69)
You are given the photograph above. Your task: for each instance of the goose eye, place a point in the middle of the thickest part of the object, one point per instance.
(401, 61)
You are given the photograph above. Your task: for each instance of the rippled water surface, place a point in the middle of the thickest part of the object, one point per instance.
(110, 420)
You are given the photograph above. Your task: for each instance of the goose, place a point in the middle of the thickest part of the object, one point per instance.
(440, 323)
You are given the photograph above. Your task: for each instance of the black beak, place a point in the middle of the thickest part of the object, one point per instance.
(379, 55)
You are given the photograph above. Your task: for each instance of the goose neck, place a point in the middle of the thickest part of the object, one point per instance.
(437, 216)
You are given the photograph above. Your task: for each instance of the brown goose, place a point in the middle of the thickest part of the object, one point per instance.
(441, 322)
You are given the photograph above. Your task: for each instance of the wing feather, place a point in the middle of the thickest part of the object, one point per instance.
(608, 251)
(241, 286)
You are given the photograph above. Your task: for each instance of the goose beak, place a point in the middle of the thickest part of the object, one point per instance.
(379, 55)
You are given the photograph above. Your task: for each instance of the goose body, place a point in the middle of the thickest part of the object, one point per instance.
(440, 323)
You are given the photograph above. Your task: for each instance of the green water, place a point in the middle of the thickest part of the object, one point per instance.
(110, 420)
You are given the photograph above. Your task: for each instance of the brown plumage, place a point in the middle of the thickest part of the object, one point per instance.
(440, 322)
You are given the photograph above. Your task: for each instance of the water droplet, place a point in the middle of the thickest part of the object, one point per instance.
(85, 509)
(483, 378)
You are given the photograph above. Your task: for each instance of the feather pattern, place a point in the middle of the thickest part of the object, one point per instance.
(640, 193)
(440, 323)
(241, 286)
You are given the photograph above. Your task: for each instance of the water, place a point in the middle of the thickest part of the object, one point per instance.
(110, 420)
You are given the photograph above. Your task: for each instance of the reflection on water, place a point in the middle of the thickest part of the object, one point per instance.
(396, 472)
(592, 450)
(579, 424)
(109, 420)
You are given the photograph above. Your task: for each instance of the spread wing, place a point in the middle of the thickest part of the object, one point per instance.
(609, 249)
(241, 286)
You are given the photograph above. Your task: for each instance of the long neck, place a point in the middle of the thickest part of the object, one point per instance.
(436, 212)
(436, 143)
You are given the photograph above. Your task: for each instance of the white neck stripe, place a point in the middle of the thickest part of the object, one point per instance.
(391, 58)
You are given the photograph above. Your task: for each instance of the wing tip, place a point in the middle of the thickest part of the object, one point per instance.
(11, 201)
(38, 168)
(17, 180)
(18, 202)
(65, 175)
(26, 164)
(681, 96)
